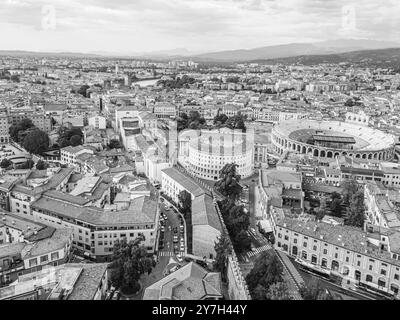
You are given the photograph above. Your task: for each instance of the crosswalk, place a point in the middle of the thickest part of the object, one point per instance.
(165, 254)
(258, 250)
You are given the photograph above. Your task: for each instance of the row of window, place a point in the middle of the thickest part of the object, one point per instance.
(43, 259)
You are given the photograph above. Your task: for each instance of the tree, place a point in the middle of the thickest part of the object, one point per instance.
(314, 291)
(41, 165)
(267, 270)
(336, 207)
(115, 144)
(185, 202)
(321, 210)
(5, 163)
(22, 125)
(220, 119)
(350, 187)
(129, 262)
(355, 214)
(236, 122)
(237, 221)
(349, 103)
(278, 291)
(36, 142)
(228, 185)
(75, 140)
(83, 90)
(65, 135)
(223, 249)
(28, 164)
(242, 241)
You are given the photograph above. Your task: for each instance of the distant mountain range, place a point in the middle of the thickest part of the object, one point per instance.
(383, 58)
(334, 51)
(295, 49)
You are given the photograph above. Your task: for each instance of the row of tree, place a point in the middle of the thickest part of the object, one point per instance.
(177, 83)
(236, 217)
(265, 281)
(234, 122)
(192, 121)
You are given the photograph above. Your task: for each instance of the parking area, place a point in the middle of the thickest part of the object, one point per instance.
(172, 232)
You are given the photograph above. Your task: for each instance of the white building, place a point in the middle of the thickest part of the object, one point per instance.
(97, 122)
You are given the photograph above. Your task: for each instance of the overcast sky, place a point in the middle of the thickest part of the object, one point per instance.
(198, 25)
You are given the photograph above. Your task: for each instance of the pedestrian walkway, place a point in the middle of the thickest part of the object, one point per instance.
(291, 268)
(259, 250)
(291, 275)
(165, 254)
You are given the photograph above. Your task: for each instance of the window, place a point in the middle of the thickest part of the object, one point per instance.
(396, 276)
(54, 256)
(305, 244)
(383, 272)
(279, 235)
(315, 248)
(368, 278)
(325, 251)
(295, 241)
(44, 259)
(314, 259)
(286, 238)
(304, 255)
(381, 283)
(32, 262)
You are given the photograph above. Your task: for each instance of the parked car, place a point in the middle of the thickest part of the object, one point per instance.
(182, 247)
(174, 269)
(179, 258)
(175, 238)
(116, 295)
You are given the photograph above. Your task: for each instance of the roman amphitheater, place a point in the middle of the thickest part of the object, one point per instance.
(206, 152)
(330, 139)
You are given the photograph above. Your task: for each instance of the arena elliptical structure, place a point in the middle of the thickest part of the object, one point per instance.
(330, 139)
(205, 152)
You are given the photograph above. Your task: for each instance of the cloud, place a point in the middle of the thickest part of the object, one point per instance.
(129, 25)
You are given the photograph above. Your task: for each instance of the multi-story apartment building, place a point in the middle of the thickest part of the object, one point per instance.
(164, 110)
(69, 154)
(39, 118)
(22, 195)
(98, 122)
(41, 247)
(368, 258)
(70, 281)
(380, 210)
(4, 128)
(95, 230)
